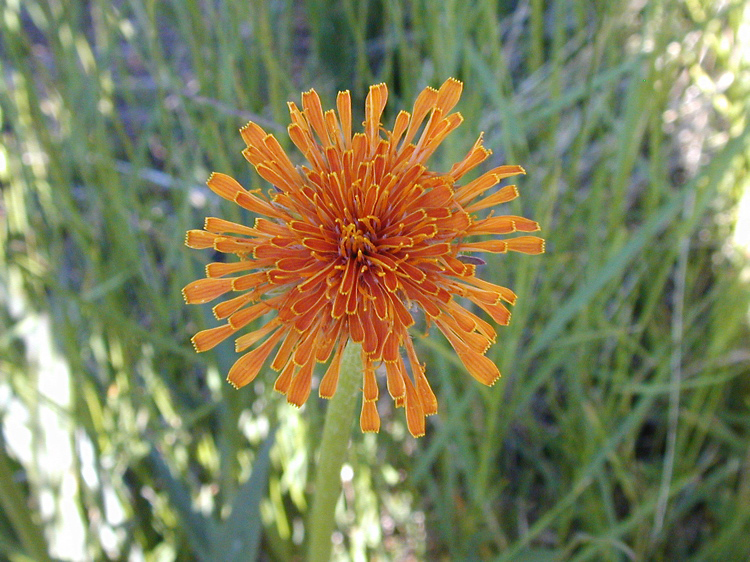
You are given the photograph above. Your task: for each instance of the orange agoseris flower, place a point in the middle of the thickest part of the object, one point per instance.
(345, 248)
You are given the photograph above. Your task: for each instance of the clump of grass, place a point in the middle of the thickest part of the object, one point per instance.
(620, 427)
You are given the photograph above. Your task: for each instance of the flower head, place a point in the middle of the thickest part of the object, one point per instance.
(349, 246)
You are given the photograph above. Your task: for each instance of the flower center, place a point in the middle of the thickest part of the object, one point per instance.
(354, 243)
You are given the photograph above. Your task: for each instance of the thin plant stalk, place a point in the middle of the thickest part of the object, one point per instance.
(336, 432)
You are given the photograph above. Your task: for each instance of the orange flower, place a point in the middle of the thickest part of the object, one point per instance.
(345, 248)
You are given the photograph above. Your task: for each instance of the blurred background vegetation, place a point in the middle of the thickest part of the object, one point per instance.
(621, 427)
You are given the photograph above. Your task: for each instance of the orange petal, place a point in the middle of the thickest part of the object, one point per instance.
(294, 264)
(285, 378)
(347, 281)
(478, 295)
(220, 226)
(328, 340)
(247, 367)
(282, 162)
(527, 245)
(399, 128)
(285, 350)
(376, 331)
(299, 389)
(243, 317)
(414, 411)
(207, 339)
(449, 94)
(369, 420)
(320, 245)
(476, 156)
(402, 314)
(429, 251)
(464, 316)
(300, 139)
(454, 266)
(273, 177)
(247, 340)
(426, 395)
(485, 181)
(344, 106)
(224, 309)
(395, 381)
(233, 245)
(302, 301)
(479, 185)
(438, 196)
(480, 367)
(503, 225)
(356, 328)
(219, 269)
(249, 281)
(313, 111)
(331, 378)
(225, 186)
(252, 203)
(312, 316)
(253, 135)
(505, 294)
(304, 352)
(205, 290)
(334, 131)
(374, 106)
(426, 301)
(199, 239)
(492, 246)
(437, 135)
(505, 194)
(391, 347)
(461, 339)
(370, 390)
(424, 103)
(497, 311)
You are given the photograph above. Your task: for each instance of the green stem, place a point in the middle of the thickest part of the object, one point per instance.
(336, 433)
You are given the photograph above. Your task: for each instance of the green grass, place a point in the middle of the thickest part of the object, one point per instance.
(621, 427)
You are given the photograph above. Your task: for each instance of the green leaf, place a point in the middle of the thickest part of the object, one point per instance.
(239, 536)
(14, 504)
(197, 528)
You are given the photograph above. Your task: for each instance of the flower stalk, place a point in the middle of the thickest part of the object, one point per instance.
(336, 433)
